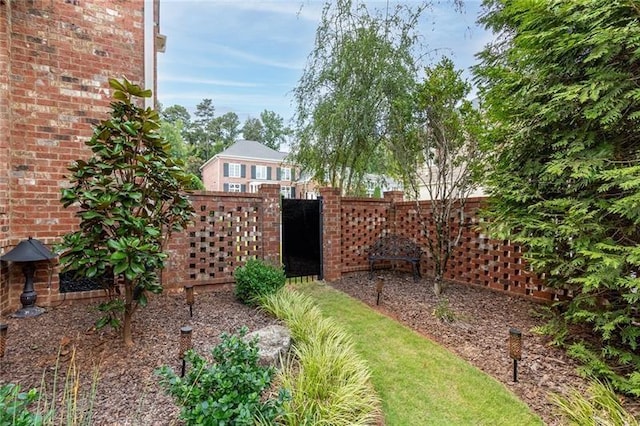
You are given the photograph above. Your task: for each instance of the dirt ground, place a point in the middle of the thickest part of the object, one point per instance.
(128, 392)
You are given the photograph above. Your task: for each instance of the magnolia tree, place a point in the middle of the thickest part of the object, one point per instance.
(129, 197)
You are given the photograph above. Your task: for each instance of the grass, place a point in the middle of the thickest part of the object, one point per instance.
(418, 381)
(599, 405)
(328, 381)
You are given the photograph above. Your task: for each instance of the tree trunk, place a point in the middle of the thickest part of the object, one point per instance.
(437, 284)
(127, 336)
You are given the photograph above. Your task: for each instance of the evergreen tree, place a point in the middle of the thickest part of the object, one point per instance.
(560, 84)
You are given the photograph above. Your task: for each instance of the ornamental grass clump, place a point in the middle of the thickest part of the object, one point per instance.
(598, 406)
(257, 278)
(329, 383)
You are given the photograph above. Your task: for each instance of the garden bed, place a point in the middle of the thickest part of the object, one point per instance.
(479, 332)
(128, 390)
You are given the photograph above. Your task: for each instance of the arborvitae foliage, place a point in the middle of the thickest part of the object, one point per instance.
(561, 85)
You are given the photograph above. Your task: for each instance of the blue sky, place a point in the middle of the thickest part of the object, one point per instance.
(248, 55)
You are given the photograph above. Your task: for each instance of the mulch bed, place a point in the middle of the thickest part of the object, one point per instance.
(479, 334)
(128, 390)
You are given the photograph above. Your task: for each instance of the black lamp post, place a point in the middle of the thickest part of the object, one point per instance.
(515, 349)
(28, 252)
(185, 345)
(379, 286)
(3, 339)
(188, 289)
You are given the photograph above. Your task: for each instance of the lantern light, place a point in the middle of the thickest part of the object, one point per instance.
(28, 252)
(185, 345)
(188, 290)
(515, 349)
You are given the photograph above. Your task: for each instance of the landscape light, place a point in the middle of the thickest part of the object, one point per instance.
(379, 286)
(4, 328)
(188, 290)
(185, 345)
(515, 349)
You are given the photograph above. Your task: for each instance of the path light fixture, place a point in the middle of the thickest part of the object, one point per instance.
(379, 285)
(515, 349)
(188, 291)
(4, 328)
(185, 345)
(28, 252)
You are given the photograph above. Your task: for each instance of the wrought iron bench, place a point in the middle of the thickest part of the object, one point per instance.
(396, 247)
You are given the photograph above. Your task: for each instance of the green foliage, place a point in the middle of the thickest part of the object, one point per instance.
(361, 68)
(129, 197)
(599, 406)
(443, 311)
(441, 159)
(227, 392)
(180, 149)
(14, 406)
(256, 279)
(560, 87)
(328, 381)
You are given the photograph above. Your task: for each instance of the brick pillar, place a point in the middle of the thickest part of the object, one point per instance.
(331, 234)
(393, 197)
(271, 223)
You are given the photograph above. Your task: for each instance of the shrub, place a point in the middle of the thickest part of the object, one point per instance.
(14, 406)
(256, 279)
(443, 311)
(228, 391)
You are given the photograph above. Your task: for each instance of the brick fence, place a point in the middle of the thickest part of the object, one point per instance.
(352, 225)
(230, 228)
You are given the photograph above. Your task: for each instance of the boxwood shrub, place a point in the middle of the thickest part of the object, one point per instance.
(257, 278)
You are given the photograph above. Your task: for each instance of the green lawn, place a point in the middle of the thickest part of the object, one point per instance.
(419, 382)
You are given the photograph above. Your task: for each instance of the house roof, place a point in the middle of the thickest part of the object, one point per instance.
(251, 150)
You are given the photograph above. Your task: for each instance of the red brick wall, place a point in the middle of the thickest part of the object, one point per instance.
(4, 149)
(228, 229)
(478, 260)
(55, 61)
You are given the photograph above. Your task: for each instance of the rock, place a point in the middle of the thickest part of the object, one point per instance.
(274, 342)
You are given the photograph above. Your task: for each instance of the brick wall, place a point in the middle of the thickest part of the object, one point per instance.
(228, 229)
(478, 260)
(5, 17)
(55, 61)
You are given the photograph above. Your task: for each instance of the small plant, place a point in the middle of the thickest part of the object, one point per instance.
(228, 392)
(443, 311)
(598, 406)
(256, 279)
(14, 406)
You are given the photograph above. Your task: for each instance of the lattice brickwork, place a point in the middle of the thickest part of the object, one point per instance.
(363, 221)
(478, 260)
(228, 230)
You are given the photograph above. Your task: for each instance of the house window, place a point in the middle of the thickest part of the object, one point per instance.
(285, 191)
(235, 187)
(261, 172)
(234, 170)
(253, 187)
(285, 173)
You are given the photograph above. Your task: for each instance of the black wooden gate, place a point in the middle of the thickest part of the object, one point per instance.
(302, 237)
